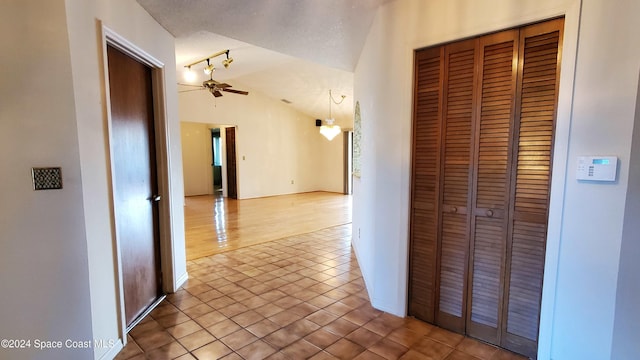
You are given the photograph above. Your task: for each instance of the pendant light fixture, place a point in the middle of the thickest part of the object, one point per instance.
(329, 130)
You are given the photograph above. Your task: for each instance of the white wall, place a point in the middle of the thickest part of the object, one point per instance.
(602, 123)
(43, 262)
(196, 158)
(275, 144)
(58, 261)
(127, 19)
(627, 320)
(585, 224)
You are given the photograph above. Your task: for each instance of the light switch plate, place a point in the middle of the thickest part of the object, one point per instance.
(49, 178)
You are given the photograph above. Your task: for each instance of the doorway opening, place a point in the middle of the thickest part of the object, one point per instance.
(206, 155)
(348, 162)
(216, 163)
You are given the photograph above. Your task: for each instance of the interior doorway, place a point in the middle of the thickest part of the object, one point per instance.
(232, 179)
(348, 162)
(206, 161)
(216, 161)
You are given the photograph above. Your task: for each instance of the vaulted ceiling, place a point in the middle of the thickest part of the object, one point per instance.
(287, 49)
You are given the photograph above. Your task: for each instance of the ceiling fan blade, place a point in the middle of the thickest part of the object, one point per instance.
(216, 93)
(223, 85)
(201, 88)
(236, 91)
(191, 85)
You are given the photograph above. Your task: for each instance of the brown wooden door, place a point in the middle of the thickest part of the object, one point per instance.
(536, 105)
(135, 188)
(425, 188)
(483, 136)
(492, 170)
(232, 183)
(459, 81)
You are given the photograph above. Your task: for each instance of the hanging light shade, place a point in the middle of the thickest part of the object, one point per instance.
(329, 130)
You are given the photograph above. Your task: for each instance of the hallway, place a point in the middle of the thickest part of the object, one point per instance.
(300, 297)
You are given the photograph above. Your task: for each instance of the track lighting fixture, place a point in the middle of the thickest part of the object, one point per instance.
(189, 75)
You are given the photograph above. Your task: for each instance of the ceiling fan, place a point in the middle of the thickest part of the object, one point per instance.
(215, 88)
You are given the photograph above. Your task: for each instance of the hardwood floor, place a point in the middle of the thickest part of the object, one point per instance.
(215, 224)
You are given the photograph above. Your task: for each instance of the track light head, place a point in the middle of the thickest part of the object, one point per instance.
(227, 62)
(209, 68)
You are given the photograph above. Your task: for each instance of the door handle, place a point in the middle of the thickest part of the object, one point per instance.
(155, 198)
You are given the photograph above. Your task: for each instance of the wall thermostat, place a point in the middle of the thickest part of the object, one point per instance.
(597, 168)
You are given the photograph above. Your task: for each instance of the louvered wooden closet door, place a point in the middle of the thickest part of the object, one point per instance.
(483, 138)
(425, 188)
(459, 82)
(538, 72)
(496, 109)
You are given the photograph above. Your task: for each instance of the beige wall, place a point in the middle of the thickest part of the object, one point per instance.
(43, 257)
(126, 19)
(275, 144)
(58, 255)
(598, 91)
(196, 158)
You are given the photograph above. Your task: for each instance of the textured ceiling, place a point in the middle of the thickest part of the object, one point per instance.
(287, 49)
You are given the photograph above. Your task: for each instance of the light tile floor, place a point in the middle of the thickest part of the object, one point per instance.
(301, 297)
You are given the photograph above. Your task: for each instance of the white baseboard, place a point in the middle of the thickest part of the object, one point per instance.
(180, 281)
(113, 351)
